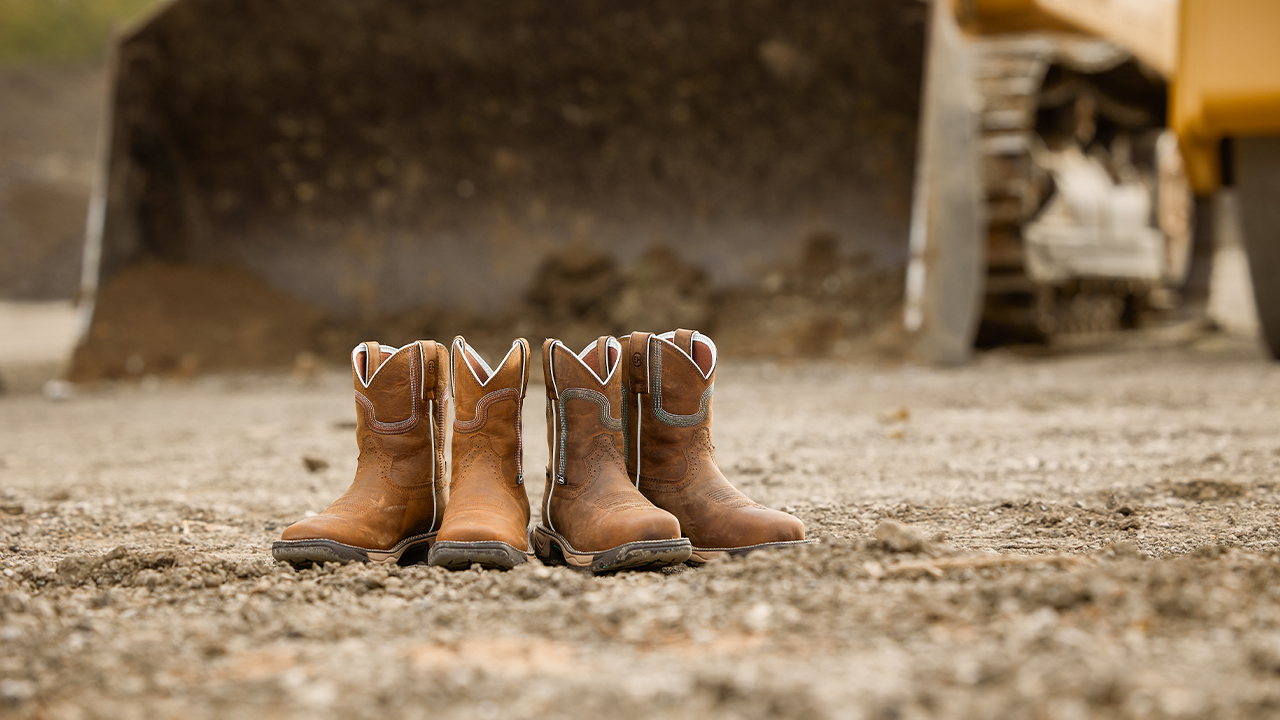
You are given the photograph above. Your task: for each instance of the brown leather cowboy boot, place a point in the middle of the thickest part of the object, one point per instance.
(670, 457)
(487, 521)
(592, 516)
(394, 505)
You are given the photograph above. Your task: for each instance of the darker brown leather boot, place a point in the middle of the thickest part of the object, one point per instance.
(487, 521)
(393, 507)
(669, 453)
(592, 516)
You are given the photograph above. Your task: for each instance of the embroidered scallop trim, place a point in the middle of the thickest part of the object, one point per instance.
(394, 428)
(671, 419)
(606, 417)
(482, 410)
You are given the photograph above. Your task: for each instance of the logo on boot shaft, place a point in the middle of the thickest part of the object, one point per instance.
(636, 360)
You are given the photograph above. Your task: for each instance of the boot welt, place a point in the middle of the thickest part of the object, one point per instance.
(553, 549)
(702, 556)
(488, 554)
(408, 551)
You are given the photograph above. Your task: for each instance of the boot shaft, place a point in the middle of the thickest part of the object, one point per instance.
(488, 404)
(667, 407)
(671, 461)
(584, 427)
(401, 401)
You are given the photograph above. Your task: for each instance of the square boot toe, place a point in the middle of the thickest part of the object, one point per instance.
(781, 527)
(753, 526)
(645, 524)
(335, 528)
(476, 530)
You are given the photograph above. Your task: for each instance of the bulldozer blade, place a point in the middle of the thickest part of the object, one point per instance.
(318, 165)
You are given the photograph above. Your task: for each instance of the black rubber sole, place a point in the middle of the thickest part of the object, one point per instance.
(702, 556)
(488, 554)
(553, 549)
(311, 551)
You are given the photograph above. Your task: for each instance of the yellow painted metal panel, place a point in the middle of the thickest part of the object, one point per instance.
(1228, 79)
(1146, 28)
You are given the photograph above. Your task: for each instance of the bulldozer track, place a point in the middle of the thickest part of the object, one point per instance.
(1010, 74)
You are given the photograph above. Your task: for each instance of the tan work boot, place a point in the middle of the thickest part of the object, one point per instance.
(670, 458)
(487, 521)
(395, 503)
(592, 516)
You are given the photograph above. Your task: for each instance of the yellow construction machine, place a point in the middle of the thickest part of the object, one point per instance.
(1098, 129)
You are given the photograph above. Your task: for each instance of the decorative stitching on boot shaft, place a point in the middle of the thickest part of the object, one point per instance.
(626, 430)
(394, 428)
(482, 410)
(671, 419)
(606, 418)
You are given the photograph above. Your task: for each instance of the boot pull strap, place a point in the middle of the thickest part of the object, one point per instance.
(458, 342)
(430, 350)
(548, 378)
(602, 356)
(524, 365)
(638, 364)
(372, 359)
(684, 341)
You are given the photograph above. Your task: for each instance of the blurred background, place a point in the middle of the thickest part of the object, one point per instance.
(52, 95)
(201, 185)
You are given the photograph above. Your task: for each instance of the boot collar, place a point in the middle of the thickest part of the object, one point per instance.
(461, 346)
(612, 344)
(669, 338)
(362, 368)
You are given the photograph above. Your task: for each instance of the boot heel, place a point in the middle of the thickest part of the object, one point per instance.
(545, 547)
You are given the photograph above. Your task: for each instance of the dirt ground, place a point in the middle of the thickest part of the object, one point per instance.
(1095, 535)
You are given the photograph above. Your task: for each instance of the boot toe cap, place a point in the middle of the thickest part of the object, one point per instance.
(329, 527)
(650, 524)
(749, 527)
(469, 532)
(784, 528)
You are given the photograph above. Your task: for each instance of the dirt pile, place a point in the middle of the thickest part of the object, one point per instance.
(180, 320)
(161, 319)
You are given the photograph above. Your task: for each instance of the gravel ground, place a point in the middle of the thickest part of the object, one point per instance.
(1084, 535)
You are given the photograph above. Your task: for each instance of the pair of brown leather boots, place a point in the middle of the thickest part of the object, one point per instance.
(632, 481)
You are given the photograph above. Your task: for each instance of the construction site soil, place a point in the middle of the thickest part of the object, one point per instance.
(1086, 535)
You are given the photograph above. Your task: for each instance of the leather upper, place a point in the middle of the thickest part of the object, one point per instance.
(588, 498)
(673, 380)
(488, 500)
(400, 489)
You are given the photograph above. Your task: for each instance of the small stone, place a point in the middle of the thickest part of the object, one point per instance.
(1125, 549)
(899, 537)
(12, 509)
(56, 390)
(898, 415)
(16, 691)
(314, 464)
(757, 618)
